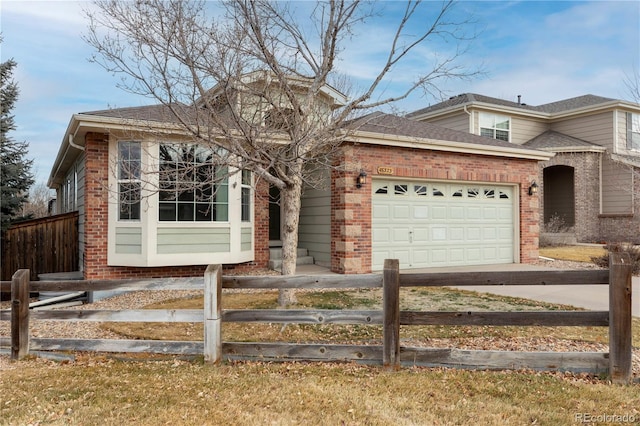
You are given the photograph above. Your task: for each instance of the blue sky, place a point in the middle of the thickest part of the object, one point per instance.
(544, 51)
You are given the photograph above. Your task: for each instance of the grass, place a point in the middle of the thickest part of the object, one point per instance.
(574, 253)
(107, 390)
(101, 391)
(452, 299)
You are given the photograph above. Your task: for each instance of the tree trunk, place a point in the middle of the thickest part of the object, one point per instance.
(290, 198)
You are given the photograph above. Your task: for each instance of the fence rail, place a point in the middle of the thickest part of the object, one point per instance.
(617, 363)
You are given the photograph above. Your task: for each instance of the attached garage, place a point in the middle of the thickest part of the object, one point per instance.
(443, 223)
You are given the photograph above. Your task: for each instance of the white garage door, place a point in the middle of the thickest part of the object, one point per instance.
(430, 224)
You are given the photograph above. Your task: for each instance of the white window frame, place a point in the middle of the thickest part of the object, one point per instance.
(124, 177)
(489, 122)
(633, 131)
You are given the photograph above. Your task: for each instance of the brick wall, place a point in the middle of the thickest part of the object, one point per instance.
(586, 177)
(351, 207)
(96, 224)
(590, 225)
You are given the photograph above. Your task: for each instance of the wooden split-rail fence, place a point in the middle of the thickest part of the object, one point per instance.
(616, 363)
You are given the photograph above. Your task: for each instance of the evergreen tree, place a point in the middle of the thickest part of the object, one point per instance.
(15, 169)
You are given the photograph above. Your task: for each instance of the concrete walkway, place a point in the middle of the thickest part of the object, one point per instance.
(592, 297)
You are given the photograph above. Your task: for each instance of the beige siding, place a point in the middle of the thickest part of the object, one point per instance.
(523, 130)
(128, 240)
(458, 121)
(315, 225)
(617, 185)
(193, 240)
(595, 128)
(245, 239)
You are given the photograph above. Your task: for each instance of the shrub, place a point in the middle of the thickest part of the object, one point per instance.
(633, 250)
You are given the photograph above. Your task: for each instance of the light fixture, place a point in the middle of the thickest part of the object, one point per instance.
(533, 189)
(361, 179)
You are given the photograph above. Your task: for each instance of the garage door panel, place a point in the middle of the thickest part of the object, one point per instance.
(474, 234)
(438, 233)
(473, 213)
(456, 234)
(380, 235)
(439, 224)
(439, 213)
(420, 212)
(381, 211)
(400, 235)
(456, 255)
(401, 212)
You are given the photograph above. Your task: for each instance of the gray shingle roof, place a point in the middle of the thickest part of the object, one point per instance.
(394, 125)
(160, 113)
(553, 107)
(550, 140)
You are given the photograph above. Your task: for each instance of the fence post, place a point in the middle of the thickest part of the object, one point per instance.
(212, 314)
(391, 314)
(620, 273)
(20, 314)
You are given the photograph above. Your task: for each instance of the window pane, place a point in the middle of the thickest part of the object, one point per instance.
(502, 122)
(221, 213)
(167, 212)
(502, 135)
(204, 212)
(246, 205)
(486, 133)
(129, 200)
(185, 212)
(189, 176)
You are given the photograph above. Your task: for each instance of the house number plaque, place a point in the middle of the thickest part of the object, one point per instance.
(385, 170)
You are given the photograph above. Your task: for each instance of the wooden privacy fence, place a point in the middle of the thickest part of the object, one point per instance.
(43, 245)
(617, 362)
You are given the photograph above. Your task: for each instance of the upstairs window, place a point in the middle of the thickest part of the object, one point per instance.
(192, 187)
(495, 126)
(129, 183)
(633, 131)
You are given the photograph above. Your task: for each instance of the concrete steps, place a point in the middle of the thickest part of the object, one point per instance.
(275, 258)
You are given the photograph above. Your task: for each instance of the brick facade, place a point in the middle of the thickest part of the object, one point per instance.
(351, 207)
(586, 166)
(590, 225)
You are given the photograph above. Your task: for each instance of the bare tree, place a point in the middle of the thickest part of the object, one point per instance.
(37, 204)
(253, 78)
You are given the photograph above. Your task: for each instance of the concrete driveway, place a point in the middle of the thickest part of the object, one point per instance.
(592, 297)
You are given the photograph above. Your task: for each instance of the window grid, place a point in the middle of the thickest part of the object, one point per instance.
(129, 183)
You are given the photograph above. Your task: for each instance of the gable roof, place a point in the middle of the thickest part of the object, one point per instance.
(559, 107)
(559, 142)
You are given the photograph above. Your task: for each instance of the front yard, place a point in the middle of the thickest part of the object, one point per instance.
(99, 389)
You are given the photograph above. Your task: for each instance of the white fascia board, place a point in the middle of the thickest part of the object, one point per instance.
(596, 149)
(448, 146)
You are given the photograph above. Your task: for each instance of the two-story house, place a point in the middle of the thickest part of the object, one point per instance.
(590, 186)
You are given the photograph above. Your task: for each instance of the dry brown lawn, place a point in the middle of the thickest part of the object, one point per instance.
(579, 253)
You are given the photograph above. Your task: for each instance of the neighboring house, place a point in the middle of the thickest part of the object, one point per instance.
(418, 192)
(590, 187)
